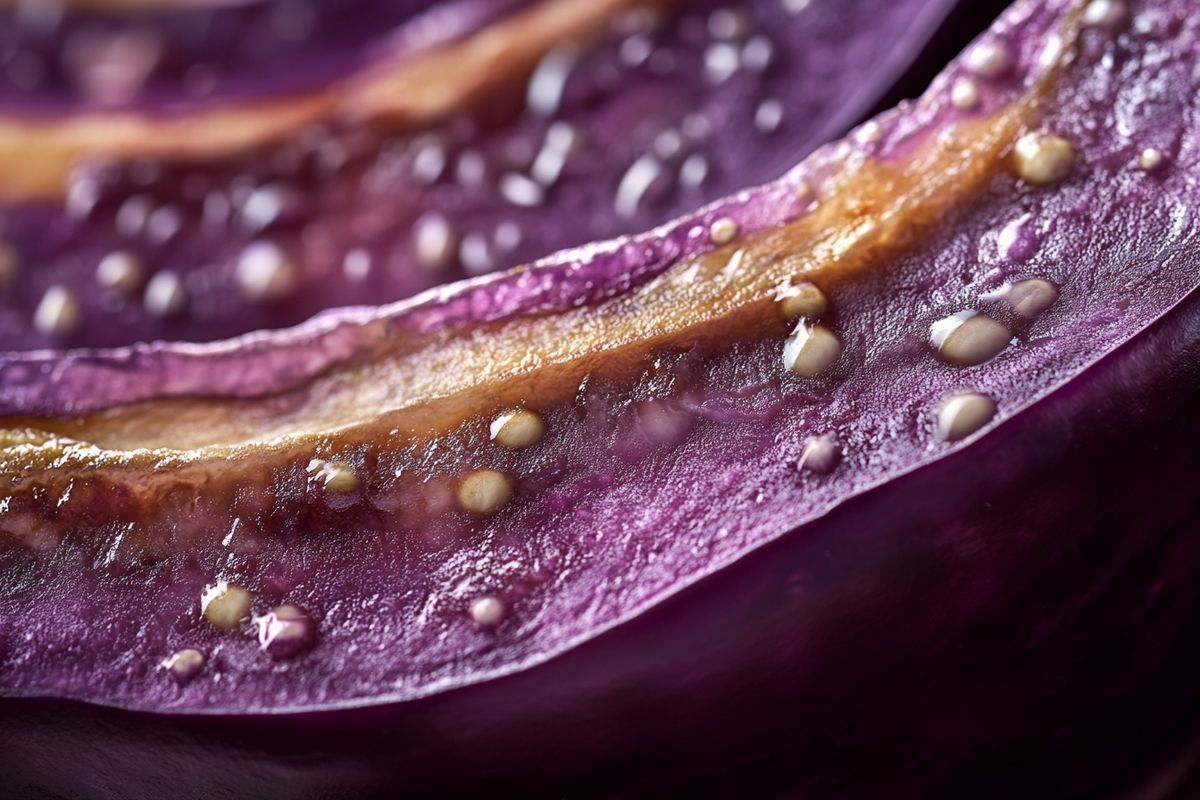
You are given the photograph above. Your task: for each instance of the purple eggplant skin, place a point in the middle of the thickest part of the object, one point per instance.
(1011, 620)
(202, 54)
(830, 65)
(1014, 620)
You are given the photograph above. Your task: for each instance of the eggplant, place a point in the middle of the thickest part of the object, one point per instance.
(870, 481)
(288, 188)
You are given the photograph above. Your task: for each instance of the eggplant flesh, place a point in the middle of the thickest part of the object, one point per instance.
(951, 554)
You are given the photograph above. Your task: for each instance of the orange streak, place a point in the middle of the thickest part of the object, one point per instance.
(419, 387)
(37, 155)
(424, 386)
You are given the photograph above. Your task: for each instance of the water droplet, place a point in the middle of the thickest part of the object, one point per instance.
(1017, 240)
(549, 80)
(521, 191)
(561, 141)
(484, 491)
(184, 664)
(668, 144)
(968, 338)
(333, 476)
(1028, 298)
(723, 231)
(989, 59)
(225, 605)
(471, 168)
(802, 300)
(163, 223)
(165, 295)
(768, 116)
(487, 611)
(356, 266)
(635, 49)
(811, 349)
(265, 205)
(821, 455)
(58, 313)
(960, 415)
(265, 273)
(435, 241)
(694, 170)
(1151, 159)
(729, 23)
(285, 631)
(475, 254)
(1107, 14)
(965, 95)
(518, 429)
(121, 271)
(634, 184)
(1043, 159)
(429, 160)
(757, 54)
(721, 60)
(131, 216)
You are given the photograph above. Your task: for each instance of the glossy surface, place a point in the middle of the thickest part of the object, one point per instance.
(508, 154)
(844, 567)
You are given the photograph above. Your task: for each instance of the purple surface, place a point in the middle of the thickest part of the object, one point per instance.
(1007, 616)
(367, 195)
(169, 61)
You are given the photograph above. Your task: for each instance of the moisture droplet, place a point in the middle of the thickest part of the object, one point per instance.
(549, 80)
(634, 184)
(965, 95)
(811, 349)
(757, 54)
(434, 241)
(165, 295)
(821, 455)
(356, 265)
(521, 191)
(185, 664)
(694, 170)
(960, 415)
(265, 273)
(968, 338)
(58, 313)
(484, 491)
(1027, 298)
(121, 271)
(803, 300)
(225, 605)
(333, 476)
(721, 61)
(769, 115)
(475, 254)
(285, 631)
(487, 611)
(1150, 159)
(989, 59)
(722, 231)
(1107, 14)
(517, 429)
(1043, 159)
